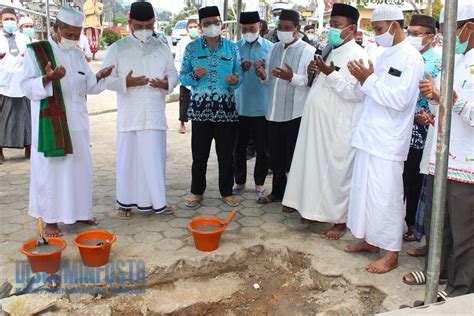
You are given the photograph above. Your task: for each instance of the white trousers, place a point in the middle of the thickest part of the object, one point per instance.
(376, 201)
(141, 170)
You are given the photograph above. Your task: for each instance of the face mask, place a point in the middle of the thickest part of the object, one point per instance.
(143, 35)
(360, 43)
(67, 44)
(285, 37)
(193, 33)
(10, 26)
(30, 32)
(461, 47)
(386, 39)
(276, 19)
(310, 36)
(250, 37)
(417, 42)
(212, 30)
(334, 36)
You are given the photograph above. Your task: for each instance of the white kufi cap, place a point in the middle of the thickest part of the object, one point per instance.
(387, 13)
(279, 5)
(70, 16)
(465, 11)
(25, 20)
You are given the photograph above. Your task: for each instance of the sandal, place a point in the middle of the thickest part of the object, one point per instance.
(124, 213)
(287, 209)
(167, 209)
(409, 236)
(270, 198)
(182, 130)
(261, 193)
(418, 252)
(419, 278)
(194, 201)
(231, 201)
(238, 188)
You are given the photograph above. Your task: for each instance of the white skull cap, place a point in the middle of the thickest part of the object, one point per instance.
(387, 13)
(70, 16)
(465, 11)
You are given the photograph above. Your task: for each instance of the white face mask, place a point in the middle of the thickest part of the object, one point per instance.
(211, 30)
(143, 35)
(285, 37)
(250, 37)
(310, 36)
(67, 44)
(386, 39)
(417, 42)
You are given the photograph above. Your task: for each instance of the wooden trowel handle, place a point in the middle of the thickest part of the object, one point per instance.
(229, 219)
(40, 227)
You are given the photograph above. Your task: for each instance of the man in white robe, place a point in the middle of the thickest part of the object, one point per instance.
(61, 187)
(382, 139)
(319, 180)
(144, 74)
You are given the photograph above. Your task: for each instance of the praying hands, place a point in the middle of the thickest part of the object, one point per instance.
(283, 74)
(104, 73)
(359, 71)
(160, 83)
(232, 79)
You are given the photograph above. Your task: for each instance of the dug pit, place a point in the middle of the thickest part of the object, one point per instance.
(253, 281)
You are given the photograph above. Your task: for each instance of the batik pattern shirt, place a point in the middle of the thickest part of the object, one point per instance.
(212, 98)
(432, 65)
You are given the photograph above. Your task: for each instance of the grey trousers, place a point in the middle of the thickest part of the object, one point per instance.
(457, 254)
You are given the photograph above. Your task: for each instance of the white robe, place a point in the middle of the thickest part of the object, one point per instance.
(141, 121)
(61, 187)
(319, 180)
(382, 138)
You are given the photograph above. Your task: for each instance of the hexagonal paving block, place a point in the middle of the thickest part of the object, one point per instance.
(273, 227)
(272, 208)
(250, 231)
(6, 228)
(251, 203)
(155, 226)
(208, 210)
(273, 218)
(147, 237)
(250, 222)
(188, 213)
(168, 244)
(251, 212)
(227, 208)
(179, 222)
(211, 202)
(175, 232)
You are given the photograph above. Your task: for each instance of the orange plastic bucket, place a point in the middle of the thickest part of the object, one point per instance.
(93, 255)
(208, 240)
(44, 262)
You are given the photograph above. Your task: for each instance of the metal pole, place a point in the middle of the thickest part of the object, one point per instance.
(224, 14)
(430, 7)
(442, 150)
(239, 9)
(48, 22)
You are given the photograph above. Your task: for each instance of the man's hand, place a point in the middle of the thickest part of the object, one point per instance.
(160, 83)
(313, 68)
(2, 55)
(423, 118)
(200, 72)
(246, 65)
(359, 71)
(53, 74)
(260, 69)
(325, 68)
(282, 73)
(232, 79)
(104, 73)
(132, 81)
(428, 88)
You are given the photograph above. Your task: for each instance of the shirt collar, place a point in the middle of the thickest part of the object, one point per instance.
(291, 45)
(205, 45)
(259, 41)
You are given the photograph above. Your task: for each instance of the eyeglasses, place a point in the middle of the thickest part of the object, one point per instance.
(416, 34)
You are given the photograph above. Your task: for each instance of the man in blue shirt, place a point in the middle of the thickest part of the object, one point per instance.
(252, 103)
(212, 68)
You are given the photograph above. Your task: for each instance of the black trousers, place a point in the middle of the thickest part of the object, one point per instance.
(457, 252)
(258, 129)
(184, 98)
(283, 136)
(224, 136)
(412, 182)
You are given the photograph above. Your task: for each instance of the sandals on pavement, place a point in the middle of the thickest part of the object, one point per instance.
(168, 209)
(231, 201)
(182, 130)
(238, 188)
(194, 201)
(270, 198)
(261, 193)
(419, 278)
(409, 236)
(124, 213)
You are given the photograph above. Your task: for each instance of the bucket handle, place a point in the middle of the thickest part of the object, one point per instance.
(229, 219)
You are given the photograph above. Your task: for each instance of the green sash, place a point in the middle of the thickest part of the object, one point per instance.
(54, 139)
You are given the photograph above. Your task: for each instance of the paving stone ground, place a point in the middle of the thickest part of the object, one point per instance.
(163, 239)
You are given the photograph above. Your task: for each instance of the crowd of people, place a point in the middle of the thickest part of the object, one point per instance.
(350, 140)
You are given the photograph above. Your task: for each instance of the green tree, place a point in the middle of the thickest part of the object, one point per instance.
(436, 8)
(186, 12)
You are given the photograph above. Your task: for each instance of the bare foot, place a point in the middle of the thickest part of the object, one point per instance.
(336, 232)
(362, 246)
(91, 222)
(52, 230)
(418, 252)
(306, 221)
(124, 213)
(287, 209)
(385, 264)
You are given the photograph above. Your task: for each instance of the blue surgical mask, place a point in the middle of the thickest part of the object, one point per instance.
(10, 26)
(193, 33)
(30, 32)
(276, 20)
(461, 47)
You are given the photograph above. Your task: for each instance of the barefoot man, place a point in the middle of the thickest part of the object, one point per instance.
(382, 139)
(57, 80)
(319, 180)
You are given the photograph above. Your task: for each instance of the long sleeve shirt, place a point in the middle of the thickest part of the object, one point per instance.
(142, 107)
(14, 45)
(212, 98)
(287, 98)
(391, 92)
(252, 96)
(461, 146)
